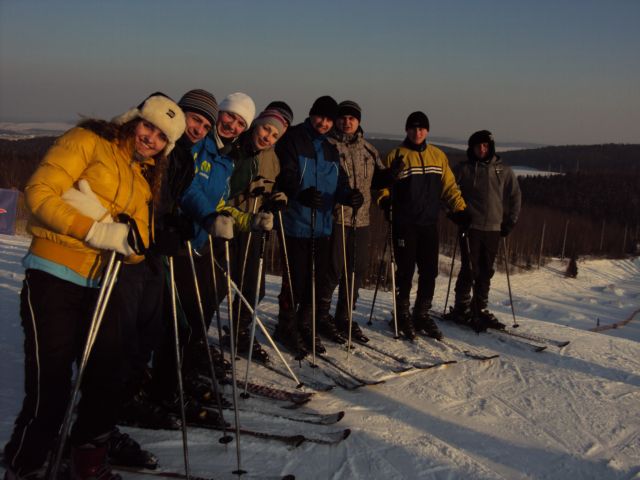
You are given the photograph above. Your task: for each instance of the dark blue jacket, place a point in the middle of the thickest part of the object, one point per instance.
(307, 159)
(209, 187)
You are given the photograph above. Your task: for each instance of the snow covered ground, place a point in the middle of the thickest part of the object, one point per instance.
(570, 413)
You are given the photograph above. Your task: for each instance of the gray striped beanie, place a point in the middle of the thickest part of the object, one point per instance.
(202, 102)
(349, 107)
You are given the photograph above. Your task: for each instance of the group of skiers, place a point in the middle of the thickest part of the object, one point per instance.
(185, 194)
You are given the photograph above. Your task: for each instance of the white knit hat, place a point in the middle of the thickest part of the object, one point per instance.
(163, 112)
(240, 104)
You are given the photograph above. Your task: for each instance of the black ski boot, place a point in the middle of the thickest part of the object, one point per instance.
(287, 333)
(306, 332)
(125, 451)
(486, 319)
(242, 348)
(327, 328)
(342, 324)
(143, 412)
(460, 313)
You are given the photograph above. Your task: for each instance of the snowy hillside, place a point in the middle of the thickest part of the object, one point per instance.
(563, 413)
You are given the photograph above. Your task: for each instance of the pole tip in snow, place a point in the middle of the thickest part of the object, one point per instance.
(239, 472)
(245, 395)
(226, 439)
(300, 385)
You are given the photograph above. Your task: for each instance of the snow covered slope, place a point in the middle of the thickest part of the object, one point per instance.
(563, 413)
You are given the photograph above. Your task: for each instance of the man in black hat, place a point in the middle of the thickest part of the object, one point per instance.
(312, 179)
(492, 193)
(422, 179)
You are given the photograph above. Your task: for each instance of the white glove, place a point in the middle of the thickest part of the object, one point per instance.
(223, 227)
(262, 221)
(110, 236)
(86, 202)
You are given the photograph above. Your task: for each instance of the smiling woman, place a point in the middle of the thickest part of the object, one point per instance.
(92, 175)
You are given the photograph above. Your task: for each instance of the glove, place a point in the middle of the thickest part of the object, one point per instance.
(462, 218)
(397, 165)
(110, 236)
(506, 227)
(166, 242)
(86, 202)
(258, 186)
(355, 199)
(222, 226)
(385, 206)
(262, 221)
(310, 197)
(277, 201)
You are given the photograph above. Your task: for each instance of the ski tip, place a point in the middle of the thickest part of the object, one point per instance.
(563, 344)
(540, 348)
(289, 477)
(346, 433)
(340, 416)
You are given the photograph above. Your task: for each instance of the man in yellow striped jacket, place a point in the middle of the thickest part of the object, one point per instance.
(421, 180)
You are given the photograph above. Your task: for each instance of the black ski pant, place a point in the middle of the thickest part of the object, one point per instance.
(335, 274)
(481, 251)
(415, 245)
(56, 315)
(247, 281)
(137, 304)
(300, 253)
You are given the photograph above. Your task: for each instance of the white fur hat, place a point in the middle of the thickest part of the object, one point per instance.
(163, 112)
(240, 104)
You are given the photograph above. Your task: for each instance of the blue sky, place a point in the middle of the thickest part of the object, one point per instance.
(552, 72)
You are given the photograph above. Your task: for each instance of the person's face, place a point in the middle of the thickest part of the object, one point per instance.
(149, 139)
(417, 135)
(197, 126)
(320, 124)
(230, 125)
(347, 124)
(481, 150)
(264, 136)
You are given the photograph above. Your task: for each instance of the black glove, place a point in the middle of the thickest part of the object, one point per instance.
(258, 186)
(462, 218)
(506, 227)
(354, 199)
(397, 165)
(310, 197)
(166, 242)
(276, 201)
(385, 206)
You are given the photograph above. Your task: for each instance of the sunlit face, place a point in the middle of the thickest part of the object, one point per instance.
(322, 125)
(197, 126)
(347, 124)
(265, 136)
(230, 125)
(481, 150)
(149, 139)
(417, 135)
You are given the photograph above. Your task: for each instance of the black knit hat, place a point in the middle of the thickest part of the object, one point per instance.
(325, 106)
(202, 102)
(417, 120)
(349, 107)
(283, 108)
(481, 136)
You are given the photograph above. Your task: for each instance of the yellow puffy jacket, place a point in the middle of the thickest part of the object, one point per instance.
(58, 229)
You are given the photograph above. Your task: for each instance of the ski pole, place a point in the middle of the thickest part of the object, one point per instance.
(263, 243)
(345, 276)
(265, 332)
(378, 279)
(244, 264)
(393, 273)
(453, 260)
(506, 268)
(313, 287)
(352, 294)
(216, 299)
(234, 386)
(286, 259)
(183, 415)
(215, 390)
(108, 281)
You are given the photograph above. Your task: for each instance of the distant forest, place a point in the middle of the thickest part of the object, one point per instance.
(593, 208)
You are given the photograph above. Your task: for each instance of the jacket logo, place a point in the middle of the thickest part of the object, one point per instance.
(171, 113)
(205, 167)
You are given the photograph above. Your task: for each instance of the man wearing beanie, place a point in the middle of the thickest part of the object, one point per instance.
(359, 159)
(421, 180)
(314, 181)
(492, 193)
(256, 168)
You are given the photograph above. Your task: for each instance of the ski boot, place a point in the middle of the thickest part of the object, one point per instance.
(124, 450)
(259, 354)
(425, 325)
(342, 324)
(486, 319)
(143, 412)
(199, 415)
(405, 326)
(460, 313)
(306, 331)
(90, 462)
(327, 328)
(287, 333)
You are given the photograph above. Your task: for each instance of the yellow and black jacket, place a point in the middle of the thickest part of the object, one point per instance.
(421, 185)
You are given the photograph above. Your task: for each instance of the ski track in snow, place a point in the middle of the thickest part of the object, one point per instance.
(562, 413)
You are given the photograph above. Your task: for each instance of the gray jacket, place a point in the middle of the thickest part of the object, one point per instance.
(358, 158)
(491, 192)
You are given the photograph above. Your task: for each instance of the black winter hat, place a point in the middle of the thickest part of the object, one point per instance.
(481, 136)
(349, 107)
(325, 106)
(417, 120)
(283, 108)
